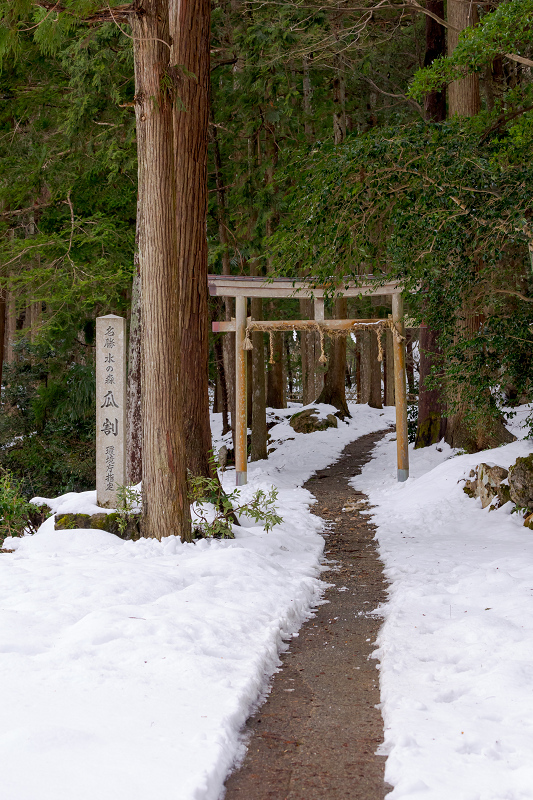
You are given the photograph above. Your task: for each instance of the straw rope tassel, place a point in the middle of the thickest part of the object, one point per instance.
(271, 339)
(247, 344)
(322, 359)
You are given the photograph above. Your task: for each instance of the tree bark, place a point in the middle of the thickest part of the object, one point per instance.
(409, 362)
(222, 386)
(435, 102)
(374, 400)
(334, 391)
(3, 306)
(258, 448)
(463, 95)
(431, 423)
(388, 370)
(307, 348)
(190, 36)
(134, 448)
(165, 503)
(11, 327)
(363, 340)
(307, 98)
(228, 342)
(275, 375)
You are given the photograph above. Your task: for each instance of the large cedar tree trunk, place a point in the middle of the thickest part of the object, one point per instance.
(134, 438)
(431, 425)
(464, 100)
(190, 35)
(463, 95)
(333, 391)
(165, 503)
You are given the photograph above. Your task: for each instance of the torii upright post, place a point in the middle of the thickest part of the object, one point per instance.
(241, 421)
(400, 390)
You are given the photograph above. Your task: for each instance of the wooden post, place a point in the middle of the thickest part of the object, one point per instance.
(110, 408)
(241, 422)
(400, 390)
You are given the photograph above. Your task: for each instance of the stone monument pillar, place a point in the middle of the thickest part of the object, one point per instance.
(110, 408)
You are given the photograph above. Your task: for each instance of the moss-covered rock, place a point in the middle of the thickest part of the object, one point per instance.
(67, 522)
(112, 523)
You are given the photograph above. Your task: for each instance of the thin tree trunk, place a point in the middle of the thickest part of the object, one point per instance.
(409, 363)
(258, 449)
(307, 98)
(11, 327)
(307, 346)
(374, 400)
(275, 376)
(431, 423)
(221, 382)
(229, 339)
(358, 372)
(290, 381)
(190, 35)
(435, 102)
(134, 431)
(3, 307)
(165, 503)
(363, 338)
(334, 391)
(339, 101)
(389, 369)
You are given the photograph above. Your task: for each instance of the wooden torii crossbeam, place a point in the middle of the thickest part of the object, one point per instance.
(243, 287)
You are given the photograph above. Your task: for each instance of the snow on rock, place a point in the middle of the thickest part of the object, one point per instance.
(128, 668)
(456, 647)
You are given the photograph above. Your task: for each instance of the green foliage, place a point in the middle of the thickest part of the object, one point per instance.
(128, 506)
(47, 428)
(216, 509)
(17, 515)
(506, 29)
(446, 210)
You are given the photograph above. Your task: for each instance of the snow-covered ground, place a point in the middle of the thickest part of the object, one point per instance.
(127, 669)
(456, 647)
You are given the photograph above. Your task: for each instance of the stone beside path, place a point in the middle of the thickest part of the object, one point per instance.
(316, 736)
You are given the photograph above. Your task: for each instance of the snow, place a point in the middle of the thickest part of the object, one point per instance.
(129, 668)
(456, 646)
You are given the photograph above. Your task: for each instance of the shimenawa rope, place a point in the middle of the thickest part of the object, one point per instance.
(379, 326)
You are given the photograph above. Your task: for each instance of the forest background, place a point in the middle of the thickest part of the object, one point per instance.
(333, 153)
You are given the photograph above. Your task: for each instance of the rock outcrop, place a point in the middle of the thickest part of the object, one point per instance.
(486, 482)
(309, 421)
(521, 482)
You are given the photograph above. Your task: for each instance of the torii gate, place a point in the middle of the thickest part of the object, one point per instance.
(243, 287)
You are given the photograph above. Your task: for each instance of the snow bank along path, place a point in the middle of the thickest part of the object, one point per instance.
(128, 668)
(456, 648)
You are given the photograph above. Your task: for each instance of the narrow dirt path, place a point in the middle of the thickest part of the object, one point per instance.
(316, 736)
